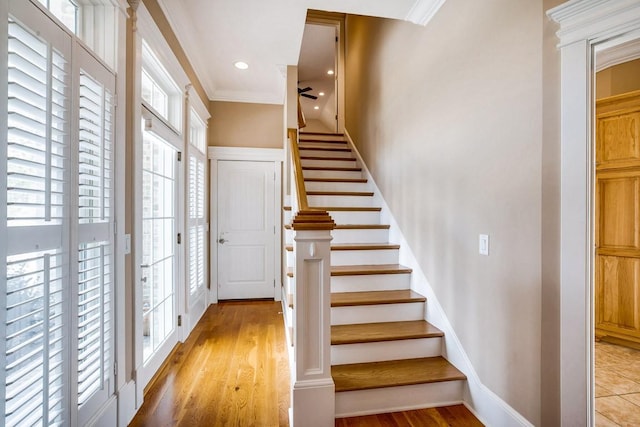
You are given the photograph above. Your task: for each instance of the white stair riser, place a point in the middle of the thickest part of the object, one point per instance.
(360, 235)
(392, 399)
(377, 313)
(345, 201)
(370, 282)
(332, 174)
(336, 186)
(385, 350)
(356, 257)
(286, 217)
(310, 152)
(290, 284)
(355, 217)
(329, 163)
(365, 257)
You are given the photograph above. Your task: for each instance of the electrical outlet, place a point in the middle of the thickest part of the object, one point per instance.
(483, 242)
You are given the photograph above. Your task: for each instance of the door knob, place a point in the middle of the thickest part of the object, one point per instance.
(221, 241)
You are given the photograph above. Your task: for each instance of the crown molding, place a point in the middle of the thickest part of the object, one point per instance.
(423, 10)
(617, 55)
(594, 20)
(249, 97)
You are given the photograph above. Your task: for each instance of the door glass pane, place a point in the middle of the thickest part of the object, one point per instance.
(158, 254)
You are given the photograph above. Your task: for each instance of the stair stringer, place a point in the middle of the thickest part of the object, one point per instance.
(488, 407)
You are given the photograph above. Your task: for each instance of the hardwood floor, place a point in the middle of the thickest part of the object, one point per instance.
(234, 371)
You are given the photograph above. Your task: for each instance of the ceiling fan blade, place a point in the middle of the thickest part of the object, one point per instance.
(306, 89)
(308, 96)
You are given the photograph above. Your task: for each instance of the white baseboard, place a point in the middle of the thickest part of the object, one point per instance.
(489, 408)
(127, 406)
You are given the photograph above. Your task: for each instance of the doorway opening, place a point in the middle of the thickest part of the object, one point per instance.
(321, 73)
(616, 293)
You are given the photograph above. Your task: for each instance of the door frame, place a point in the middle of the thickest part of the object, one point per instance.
(586, 27)
(272, 155)
(337, 20)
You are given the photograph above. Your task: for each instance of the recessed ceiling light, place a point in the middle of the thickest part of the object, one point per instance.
(321, 94)
(240, 65)
(330, 72)
(316, 108)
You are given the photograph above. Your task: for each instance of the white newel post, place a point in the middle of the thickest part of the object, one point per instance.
(313, 391)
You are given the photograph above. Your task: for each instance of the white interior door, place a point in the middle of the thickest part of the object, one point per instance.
(246, 229)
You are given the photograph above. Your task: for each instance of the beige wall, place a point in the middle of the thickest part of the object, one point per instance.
(619, 79)
(241, 124)
(449, 119)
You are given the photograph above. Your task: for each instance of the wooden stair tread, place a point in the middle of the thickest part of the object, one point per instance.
(357, 246)
(340, 193)
(362, 270)
(327, 141)
(354, 226)
(339, 159)
(383, 331)
(342, 208)
(349, 180)
(393, 373)
(348, 299)
(349, 208)
(329, 168)
(322, 133)
(356, 270)
(321, 148)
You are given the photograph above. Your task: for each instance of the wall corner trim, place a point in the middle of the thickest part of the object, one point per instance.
(488, 407)
(423, 11)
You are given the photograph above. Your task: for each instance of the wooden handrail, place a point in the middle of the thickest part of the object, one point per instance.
(301, 191)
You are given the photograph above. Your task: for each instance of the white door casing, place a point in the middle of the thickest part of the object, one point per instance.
(586, 26)
(245, 223)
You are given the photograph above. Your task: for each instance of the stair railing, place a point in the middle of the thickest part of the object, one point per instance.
(312, 388)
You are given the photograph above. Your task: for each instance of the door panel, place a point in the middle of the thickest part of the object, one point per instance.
(159, 252)
(246, 229)
(617, 274)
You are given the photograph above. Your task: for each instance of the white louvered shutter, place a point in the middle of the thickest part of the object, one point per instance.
(196, 221)
(35, 370)
(95, 241)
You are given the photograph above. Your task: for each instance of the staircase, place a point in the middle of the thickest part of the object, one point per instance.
(384, 355)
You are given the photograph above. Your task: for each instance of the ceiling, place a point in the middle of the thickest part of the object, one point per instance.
(265, 34)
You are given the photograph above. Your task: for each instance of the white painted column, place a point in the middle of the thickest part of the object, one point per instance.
(313, 390)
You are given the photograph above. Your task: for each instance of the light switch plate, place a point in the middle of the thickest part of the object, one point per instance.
(483, 242)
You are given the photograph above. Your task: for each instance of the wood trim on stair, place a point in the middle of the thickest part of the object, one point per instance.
(393, 373)
(383, 331)
(340, 193)
(350, 299)
(340, 180)
(311, 147)
(322, 133)
(326, 168)
(357, 247)
(363, 270)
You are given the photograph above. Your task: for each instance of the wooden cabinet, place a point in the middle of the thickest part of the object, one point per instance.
(617, 233)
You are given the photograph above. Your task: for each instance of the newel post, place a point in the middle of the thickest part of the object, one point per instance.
(313, 391)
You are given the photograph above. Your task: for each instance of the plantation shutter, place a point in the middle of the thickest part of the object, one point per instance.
(35, 370)
(95, 273)
(196, 221)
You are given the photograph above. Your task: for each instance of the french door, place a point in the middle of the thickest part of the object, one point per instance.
(160, 256)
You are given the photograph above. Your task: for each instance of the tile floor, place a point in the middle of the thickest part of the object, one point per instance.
(617, 386)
